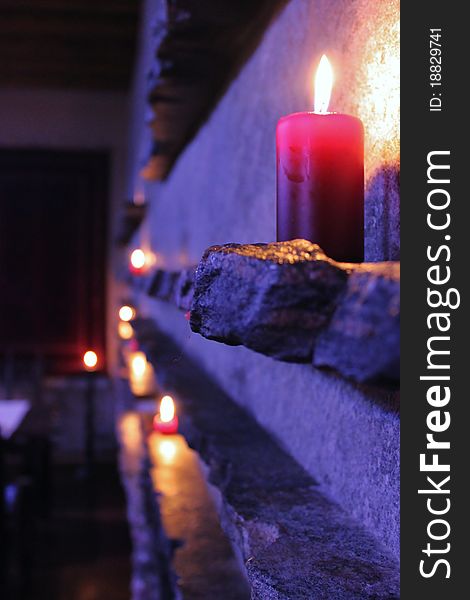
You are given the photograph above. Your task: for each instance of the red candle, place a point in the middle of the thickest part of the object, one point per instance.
(165, 427)
(166, 421)
(320, 176)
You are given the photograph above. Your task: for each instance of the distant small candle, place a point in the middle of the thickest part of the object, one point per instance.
(166, 421)
(126, 313)
(138, 364)
(90, 360)
(320, 176)
(138, 261)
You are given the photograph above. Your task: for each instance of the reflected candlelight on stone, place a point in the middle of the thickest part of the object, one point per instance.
(125, 330)
(166, 421)
(138, 364)
(131, 432)
(167, 450)
(141, 377)
(320, 176)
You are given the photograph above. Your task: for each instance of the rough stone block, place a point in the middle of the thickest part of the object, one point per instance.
(140, 283)
(273, 298)
(362, 340)
(163, 284)
(290, 301)
(184, 289)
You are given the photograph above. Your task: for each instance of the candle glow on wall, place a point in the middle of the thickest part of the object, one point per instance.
(370, 79)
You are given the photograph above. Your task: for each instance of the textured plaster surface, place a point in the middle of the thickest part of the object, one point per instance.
(222, 190)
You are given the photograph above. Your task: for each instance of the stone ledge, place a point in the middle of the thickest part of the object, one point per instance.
(176, 287)
(294, 541)
(272, 298)
(362, 339)
(290, 301)
(152, 576)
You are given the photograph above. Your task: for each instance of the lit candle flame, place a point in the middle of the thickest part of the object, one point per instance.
(138, 259)
(126, 313)
(323, 86)
(90, 360)
(138, 364)
(167, 409)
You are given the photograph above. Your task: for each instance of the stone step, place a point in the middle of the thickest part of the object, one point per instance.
(294, 540)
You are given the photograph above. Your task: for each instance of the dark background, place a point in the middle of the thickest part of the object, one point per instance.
(52, 255)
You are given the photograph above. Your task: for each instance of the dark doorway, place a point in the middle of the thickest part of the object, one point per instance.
(52, 255)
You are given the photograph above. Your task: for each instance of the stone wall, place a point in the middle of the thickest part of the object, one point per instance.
(222, 189)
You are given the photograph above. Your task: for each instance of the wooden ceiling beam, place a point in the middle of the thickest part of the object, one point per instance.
(93, 7)
(50, 49)
(29, 25)
(67, 43)
(101, 80)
